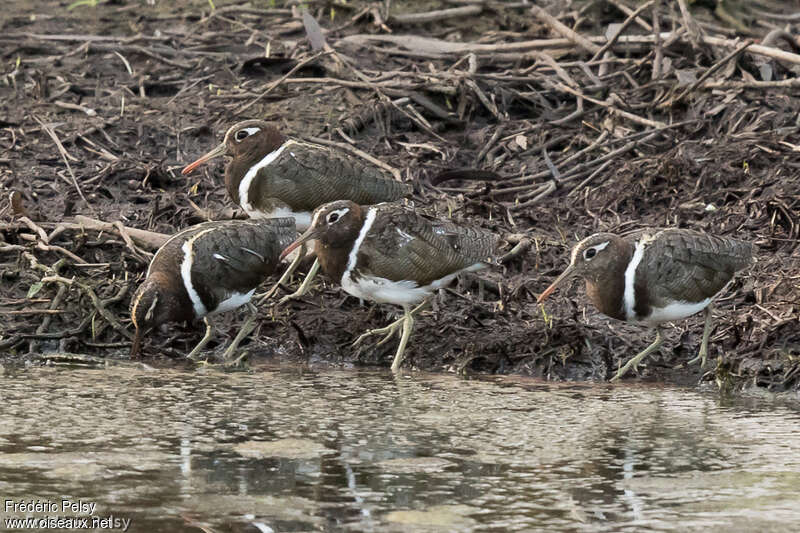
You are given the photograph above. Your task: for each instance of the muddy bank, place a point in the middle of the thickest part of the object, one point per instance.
(101, 106)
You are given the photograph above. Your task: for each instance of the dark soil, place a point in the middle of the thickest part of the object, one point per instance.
(569, 146)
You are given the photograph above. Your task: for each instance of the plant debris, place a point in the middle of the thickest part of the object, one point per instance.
(542, 123)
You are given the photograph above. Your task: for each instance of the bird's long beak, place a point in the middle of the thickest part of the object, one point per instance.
(136, 347)
(310, 234)
(222, 149)
(568, 273)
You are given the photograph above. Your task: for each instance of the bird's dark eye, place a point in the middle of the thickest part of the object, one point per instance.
(241, 135)
(333, 217)
(589, 253)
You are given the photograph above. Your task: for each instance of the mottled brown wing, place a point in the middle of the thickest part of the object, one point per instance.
(305, 176)
(168, 258)
(404, 245)
(690, 266)
(241, 252)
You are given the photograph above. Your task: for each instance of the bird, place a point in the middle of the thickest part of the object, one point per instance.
(389, 253)
(207, 269)
(271, 175)
(658, 277)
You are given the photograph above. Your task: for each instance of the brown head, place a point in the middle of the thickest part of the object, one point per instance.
(334, 225)
(598, 259)
(153, 304)
(247, 142)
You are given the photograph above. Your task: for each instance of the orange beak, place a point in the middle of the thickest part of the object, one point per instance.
(216, 152)
(309, 235)
(568, 273)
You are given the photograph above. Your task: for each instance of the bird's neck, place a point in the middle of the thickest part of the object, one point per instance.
(606, 288)
(242, 162)
(333, 260)
(235, 173)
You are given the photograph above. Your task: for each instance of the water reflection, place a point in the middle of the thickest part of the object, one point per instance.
(294, 450)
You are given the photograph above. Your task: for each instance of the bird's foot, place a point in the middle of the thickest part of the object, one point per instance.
(236, 362)
(700, 357)
(294, 296)
(261, 298)
(226, 361)
(304, 287)
(633, 361)
(388, 331)
(194, 355)
(627, 366)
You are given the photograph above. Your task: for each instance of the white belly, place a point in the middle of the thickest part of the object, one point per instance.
(675, 311)
(302, 219)
(405, 292)
(235, 300)
(382, 290)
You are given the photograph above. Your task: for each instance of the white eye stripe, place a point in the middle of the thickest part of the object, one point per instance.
(339, 214)
(249, 131)
(596, 248)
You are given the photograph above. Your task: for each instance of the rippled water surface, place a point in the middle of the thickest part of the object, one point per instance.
(295, 450)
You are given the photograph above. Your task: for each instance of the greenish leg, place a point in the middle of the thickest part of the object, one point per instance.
(633, 361)
(305, 286)
(200, 345)
(414, 311)
(704, 343)
(286, 275)
(389, 330)
(408, 325)
(248, 326)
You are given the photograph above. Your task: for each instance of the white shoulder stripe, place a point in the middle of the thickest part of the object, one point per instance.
(351, 260)
(629, 297)
(177, 236)
(186, 274)
(244, 185)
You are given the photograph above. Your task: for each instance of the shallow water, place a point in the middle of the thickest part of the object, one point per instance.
(298, 450)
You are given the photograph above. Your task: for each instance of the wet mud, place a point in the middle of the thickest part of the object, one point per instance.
(100, 108)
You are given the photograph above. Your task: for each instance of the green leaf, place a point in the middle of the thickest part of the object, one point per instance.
(35, 288)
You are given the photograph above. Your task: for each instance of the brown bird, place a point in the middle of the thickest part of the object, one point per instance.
(668, 276)
(388, 253)
(207, 269)
(271, 175)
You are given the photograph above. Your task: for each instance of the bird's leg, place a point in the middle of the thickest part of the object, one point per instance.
(704, 343)
(389, 330)
(248, 326)
(305, 285)
(289, 271)
(402, 319)
(633, 361)
(408, 325)
(200, 345)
